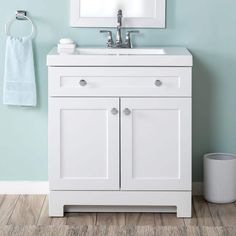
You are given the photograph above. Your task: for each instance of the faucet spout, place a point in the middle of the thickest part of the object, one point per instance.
(119, 28)
(119, 18)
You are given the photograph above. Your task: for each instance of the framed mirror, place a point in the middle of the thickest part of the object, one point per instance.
(103, 13)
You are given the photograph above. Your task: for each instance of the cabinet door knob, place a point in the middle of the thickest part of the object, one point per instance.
(83, 82)
(127, 111)
(114, 111)
(158, 83)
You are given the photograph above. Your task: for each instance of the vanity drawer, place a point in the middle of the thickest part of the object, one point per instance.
(117, 81)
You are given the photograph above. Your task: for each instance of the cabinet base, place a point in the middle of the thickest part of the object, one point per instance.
(120, 201)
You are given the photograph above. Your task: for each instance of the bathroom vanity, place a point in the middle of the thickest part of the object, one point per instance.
(120, 130)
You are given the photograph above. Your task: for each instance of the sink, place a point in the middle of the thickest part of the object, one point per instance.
(121, 52)
(159, 56)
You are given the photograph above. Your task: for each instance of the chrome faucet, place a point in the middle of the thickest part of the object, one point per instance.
(119, 42)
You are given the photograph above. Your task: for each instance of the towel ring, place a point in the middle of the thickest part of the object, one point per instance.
(20, 15)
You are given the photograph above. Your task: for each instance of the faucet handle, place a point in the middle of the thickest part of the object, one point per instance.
(128, 41)
(109, 39)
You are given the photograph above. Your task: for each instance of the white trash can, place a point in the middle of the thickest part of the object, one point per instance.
(220, 177)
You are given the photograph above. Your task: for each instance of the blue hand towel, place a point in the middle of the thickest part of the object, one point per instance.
(19, 78)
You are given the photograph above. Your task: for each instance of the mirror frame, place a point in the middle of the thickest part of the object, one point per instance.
(128, 22)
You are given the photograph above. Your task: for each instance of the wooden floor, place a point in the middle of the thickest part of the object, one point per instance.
(28, 215)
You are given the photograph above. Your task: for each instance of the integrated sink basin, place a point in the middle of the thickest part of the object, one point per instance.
(160, 56)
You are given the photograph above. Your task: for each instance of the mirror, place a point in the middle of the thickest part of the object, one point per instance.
(102, 13)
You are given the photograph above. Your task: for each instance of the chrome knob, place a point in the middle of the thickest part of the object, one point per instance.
(158, 83)
(114, 111)
(127, 111)
(83, 82)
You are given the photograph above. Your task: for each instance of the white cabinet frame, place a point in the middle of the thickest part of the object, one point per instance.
(132, 139)
(157, 21)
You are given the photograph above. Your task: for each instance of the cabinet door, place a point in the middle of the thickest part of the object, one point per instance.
(156, 144)
(84, 143)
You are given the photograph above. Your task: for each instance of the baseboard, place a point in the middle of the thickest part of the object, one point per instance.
(24, 187)
(36, 187)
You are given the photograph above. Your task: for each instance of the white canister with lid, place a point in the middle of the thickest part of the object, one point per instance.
(66, 46)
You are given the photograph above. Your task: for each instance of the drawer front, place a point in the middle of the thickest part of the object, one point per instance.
(115, 81)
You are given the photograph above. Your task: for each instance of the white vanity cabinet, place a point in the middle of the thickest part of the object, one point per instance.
(119, 137)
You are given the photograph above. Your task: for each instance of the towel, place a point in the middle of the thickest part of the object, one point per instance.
(19, 79)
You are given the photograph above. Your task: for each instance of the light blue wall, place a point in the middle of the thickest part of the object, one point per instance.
(207, 28)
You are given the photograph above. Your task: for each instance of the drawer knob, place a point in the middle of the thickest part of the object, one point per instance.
(158, 83)
(114, 111)
(83, 82)
(127, 111)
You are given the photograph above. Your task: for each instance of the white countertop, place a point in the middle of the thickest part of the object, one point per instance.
(164, 56)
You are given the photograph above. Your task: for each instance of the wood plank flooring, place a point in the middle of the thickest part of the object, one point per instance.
(28, 215)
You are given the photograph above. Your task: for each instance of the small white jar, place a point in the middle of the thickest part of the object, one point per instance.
(220, 177)
(66, 46)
